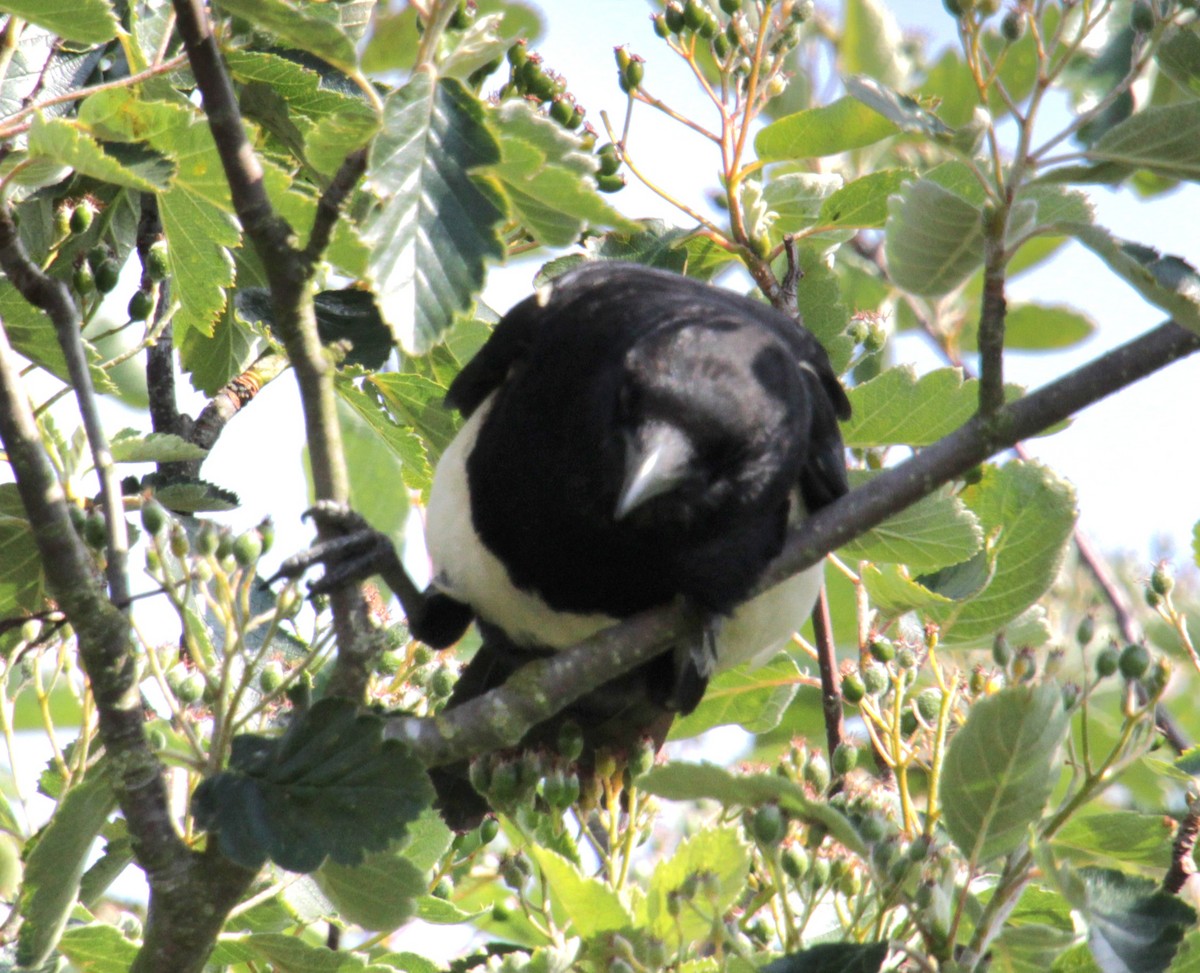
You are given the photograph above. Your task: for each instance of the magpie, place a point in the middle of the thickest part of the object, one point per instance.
(631, 437)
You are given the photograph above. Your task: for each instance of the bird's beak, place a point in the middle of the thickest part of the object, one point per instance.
(657, 456)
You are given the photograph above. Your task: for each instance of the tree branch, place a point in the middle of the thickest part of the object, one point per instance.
(52, 298)
(289, 273)
(501, 717)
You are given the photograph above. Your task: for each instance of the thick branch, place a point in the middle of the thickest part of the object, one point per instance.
(993, 309)
(52, 297)
(831, 681)
(500, 718)
(288, 274)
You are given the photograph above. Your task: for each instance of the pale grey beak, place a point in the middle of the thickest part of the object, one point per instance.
(657, 456)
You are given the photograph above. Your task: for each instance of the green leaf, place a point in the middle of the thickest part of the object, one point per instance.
(55, 867)
(893, 591)
(832, 958)
(694, 782)
(437, 225)
(62, 141)
(22, 580)
(871, 42)
(819, 300)
(904, 112)
(374, 473)
(196, 211)
(591, 905)
(301, 27)
(1179, 57)
(896, 407)
(719, 852)
(98, 948)
(330, 787)
(547, 176)
(1001, 769)
(1163, 139)
(838, 127)
(417, 401)
(30, 331)
(1039, 327)
(403, 442)
(130, 446)
(1027, 513)
(427, 840)
(81, 21)
(863, 203)
(795, 198)
(195, 496)
(1121, 837)
(443, 913)
(935, 531)
(379, 894)
(1133, 926)
(1167, 282)
(933, 239)
(213, 359)
(1196, 544)
(1187, 956)
(289, 954)
(753, 698)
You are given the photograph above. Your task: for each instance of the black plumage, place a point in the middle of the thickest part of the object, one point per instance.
(633, 437)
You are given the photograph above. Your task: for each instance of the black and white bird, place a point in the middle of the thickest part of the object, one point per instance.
(632, 437)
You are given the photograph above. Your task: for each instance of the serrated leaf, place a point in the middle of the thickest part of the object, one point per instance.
(374, 474)
(301, 27)
(378, 894)
(898, 408)
(98, 948)
(415, 467)
(933, 239)
(81, 21)
(475, 47)
(55, 867)
(795, 198)
(936, 531)
(753, 698)
(213, 359)
(1001, 769)
(130, 446)
(1039, 327)
(871, 42)
(427, 840)
(22, 579)
(906, 113)
(1133, 925)
(1164, 139)
(64, 142)
(330, 787)
(893, 591)
(1028, 513)
(720, 852)
(694, 782)
(819, 300)
(437, 225)
(591, 905)
(863, 203)
(844, 125)
(1179, 57)
(196, 211)
(1122, 837)
(443, 913)
(1166, 281)
(195, 496)
(417, 400)
(832, 958)
(290, 954)
(547, 176)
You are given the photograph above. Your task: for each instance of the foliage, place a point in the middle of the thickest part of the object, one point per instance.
(997, 675)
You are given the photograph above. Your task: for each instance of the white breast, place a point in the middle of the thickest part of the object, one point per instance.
(465, 569)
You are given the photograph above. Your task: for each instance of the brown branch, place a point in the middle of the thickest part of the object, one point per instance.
(1183, 864)
(993, 308)
(289, 273)
(831, 681)
(500, 718)
(234, 396)
(329, 206)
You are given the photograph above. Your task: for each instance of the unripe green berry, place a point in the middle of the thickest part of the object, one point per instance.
(816, 772)
(441, 683)
(610, 184)
(81, 217)
(929, 704)
(958, 8)
(1107, 660)
(570, 740)
(1141, 17)
(721, 47)
(178, 540)
(95, 532)
(62, 221)
(660, 25)
(641, 758)
(795, 862)
(1086, 630)
(632, 75)
(693, 14)
(1012, 26)
(108, 274)
(271, 677)
(422, 655)
(673, 15)
(1001, 651)
(845, 758)
(505, 784)
(1134, 661)
(977, 682)
(489, 828)
(247, 548)
(190, 688)
(154, 518)
(906, 658)
(818, 874)
(875, 679)
(1161, 580)
(609, 159)
(561, 110)
(1157, 678)
(768, 825)
(443, 888)
(908, 722)
(83, 280)
(158, 264)
(853, 689)
(224, 544)
(882, 649)
(479, 773)
(206, 538)
(140, 305)
(96, 256)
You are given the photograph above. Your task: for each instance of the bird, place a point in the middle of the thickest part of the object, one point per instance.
(631, 437)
